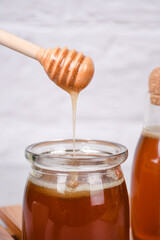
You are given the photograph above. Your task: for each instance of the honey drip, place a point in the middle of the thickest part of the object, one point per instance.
(74, 97)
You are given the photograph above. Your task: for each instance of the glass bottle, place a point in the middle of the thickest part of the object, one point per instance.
(145, 184)
(75, 197)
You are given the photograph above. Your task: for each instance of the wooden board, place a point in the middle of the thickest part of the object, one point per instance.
(11, 216)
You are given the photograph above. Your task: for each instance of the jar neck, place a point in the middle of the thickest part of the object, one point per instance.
(73, 182)
(152, 113)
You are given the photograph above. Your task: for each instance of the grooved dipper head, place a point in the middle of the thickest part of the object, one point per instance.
(69, 69)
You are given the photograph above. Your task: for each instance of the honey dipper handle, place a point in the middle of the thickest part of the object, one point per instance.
(18, 44)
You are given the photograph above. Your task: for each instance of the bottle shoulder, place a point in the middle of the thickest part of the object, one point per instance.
(152, 132)
(148, 144)
(148, 148)
(146, 163)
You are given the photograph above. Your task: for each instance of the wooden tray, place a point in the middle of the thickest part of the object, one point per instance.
(11, 227)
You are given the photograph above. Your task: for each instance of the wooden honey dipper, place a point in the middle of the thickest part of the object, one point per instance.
(154, 86)
(69, 69)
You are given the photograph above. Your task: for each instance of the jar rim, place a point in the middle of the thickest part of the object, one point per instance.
(90, 155)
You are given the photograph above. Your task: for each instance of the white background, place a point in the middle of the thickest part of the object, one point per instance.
(123, 39)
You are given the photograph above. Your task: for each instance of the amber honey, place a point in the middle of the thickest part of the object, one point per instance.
(145, 192)
(102, 214)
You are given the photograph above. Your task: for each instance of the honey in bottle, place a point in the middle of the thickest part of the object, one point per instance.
(145, 184)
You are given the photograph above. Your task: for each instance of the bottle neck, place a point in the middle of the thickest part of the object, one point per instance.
(152, 114)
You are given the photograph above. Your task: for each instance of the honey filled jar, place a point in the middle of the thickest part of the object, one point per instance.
(145, 184)
(76, 196)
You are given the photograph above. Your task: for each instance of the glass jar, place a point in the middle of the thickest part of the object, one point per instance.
(75, 196)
